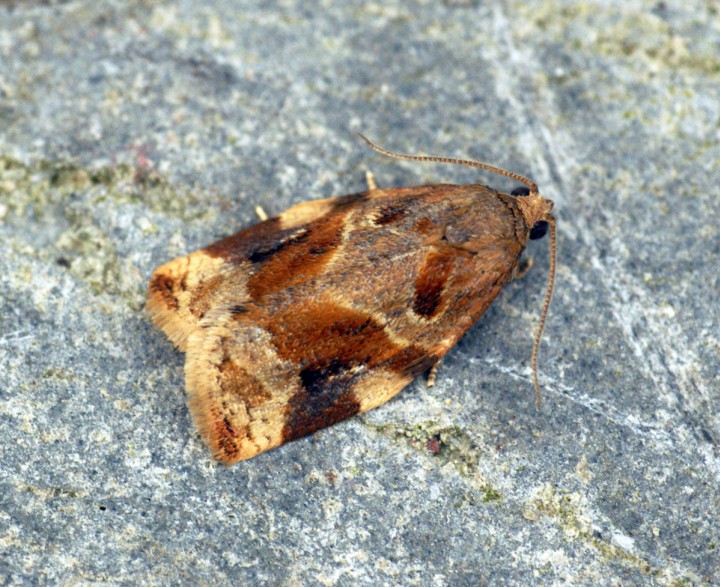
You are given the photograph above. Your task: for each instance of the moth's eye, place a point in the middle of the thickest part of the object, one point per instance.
(521, 190)
(539, 230)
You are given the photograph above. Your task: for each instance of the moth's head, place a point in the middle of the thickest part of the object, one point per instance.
(536, 211)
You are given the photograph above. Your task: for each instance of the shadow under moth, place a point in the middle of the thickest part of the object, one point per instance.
(335, 305)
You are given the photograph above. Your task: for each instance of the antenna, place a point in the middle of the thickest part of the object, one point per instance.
(544, 312)
(467, 162)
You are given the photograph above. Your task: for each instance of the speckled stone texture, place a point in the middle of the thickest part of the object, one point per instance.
(132, 132)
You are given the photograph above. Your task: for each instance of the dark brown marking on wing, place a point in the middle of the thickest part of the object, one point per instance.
(326, 398)
(259, 237)
(235, 381)
(202, 295)
(227, 439)
(261, 253)
(300, 259)
(395, 212)
(390, 214)
(431, 281)
(335, 346)
(263, 240)
(163, 287)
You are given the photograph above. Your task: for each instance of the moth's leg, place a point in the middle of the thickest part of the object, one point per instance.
(522, 268)
(370, 180)
(261, 214)
(432, 374)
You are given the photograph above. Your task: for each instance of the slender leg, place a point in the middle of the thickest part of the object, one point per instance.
(262, 215)
(432, 374)
(370, 180)
(522, 268)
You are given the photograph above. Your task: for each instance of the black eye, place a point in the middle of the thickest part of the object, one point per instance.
(539, 230)
(521, 190)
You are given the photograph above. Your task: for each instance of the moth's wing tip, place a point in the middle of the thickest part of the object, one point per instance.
(175, 288)
(225, 438)
(163, 304)
(236, 416)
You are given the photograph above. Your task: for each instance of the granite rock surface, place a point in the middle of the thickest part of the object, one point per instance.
(133, 132)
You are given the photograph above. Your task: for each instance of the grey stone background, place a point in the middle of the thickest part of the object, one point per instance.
(132, 132)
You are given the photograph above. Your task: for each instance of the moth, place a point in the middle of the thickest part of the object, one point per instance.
(334, 306)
